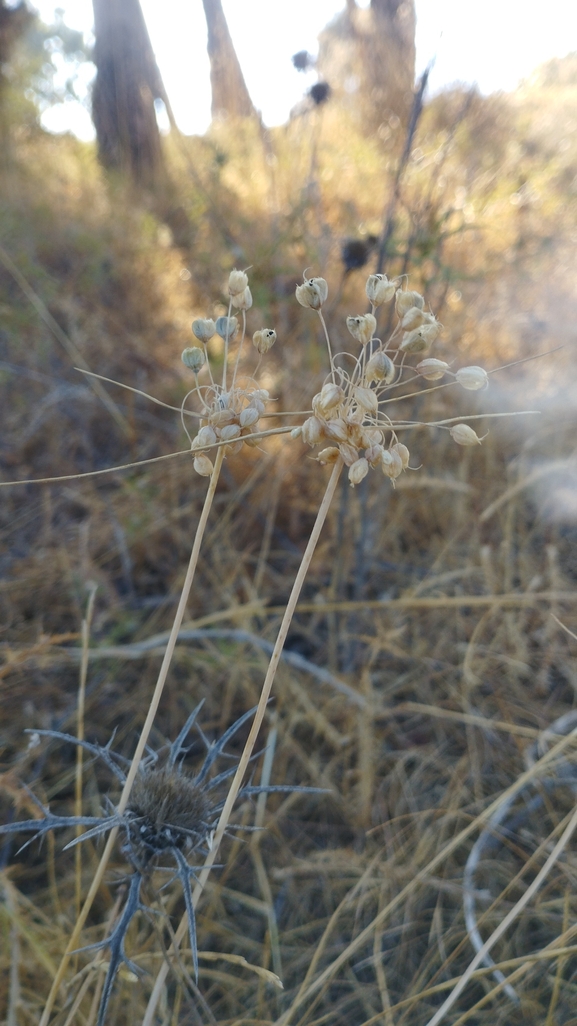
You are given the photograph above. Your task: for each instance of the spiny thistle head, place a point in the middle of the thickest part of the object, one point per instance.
(170, 816)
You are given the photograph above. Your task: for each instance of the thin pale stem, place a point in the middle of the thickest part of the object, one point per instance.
(331, 361)
(86, 624)
(225, 357)
(256, 725)
(506, 922)
(97, 879)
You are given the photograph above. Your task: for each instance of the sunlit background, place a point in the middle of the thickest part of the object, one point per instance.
(495, 44)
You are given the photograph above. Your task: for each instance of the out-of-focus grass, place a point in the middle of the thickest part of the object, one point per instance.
(486, 225)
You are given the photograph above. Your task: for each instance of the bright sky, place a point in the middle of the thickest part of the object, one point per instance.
(494, 43)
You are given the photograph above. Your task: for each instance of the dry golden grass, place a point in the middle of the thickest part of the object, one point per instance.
(432, 603)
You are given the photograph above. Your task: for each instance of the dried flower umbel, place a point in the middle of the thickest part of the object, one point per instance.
(350, 418)
(229, 410)
(170, 817)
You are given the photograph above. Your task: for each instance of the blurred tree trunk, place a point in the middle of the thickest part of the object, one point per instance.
(127, 84)
(230, 96)
(368, 57)
(13, 23)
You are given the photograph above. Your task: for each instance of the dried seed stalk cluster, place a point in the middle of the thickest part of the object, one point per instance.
(349, 417)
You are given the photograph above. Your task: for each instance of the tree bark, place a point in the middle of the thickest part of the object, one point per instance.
(127, 84)
(230, 96)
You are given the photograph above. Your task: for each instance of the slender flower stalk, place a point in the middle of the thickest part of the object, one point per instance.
(131, 775)
(256, 725)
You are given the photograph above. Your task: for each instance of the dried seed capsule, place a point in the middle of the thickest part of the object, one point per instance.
(237, 282)
(373, 455)
(312, 293)
(312, 431)
(221, 417)
(462, 434)
(472, 378)
(229, 431)
(391, 463)
(226, 327)
(379, 289)
(328, 455)
(358, 471)
(413, 318)
(264, 339)
(431, 329)
(329, 397)
(366, 399)
(206, 436)
(338, 430)
(380, 368)
(432, 369)
(349, 454)
(194, 358)
(202, 465)
(362, 327)
(403, 453)
(414, 341)
(248, 417)
(371, 436)
(204, 329)
(243, 301)
(405, 300)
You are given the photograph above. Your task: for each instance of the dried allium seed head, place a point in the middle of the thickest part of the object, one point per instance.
(264, 340)
(472, 378)
(329, 397)
(362, 327)
(462, 434)
(432, 369)
(248, 417)
(328, 455)
(391, 463)
(237, 283)
(312, 293)
(366, 399)
(243, 301)
(403, 453)
(204, 329)
(312, 431)
(415, 341)
(405, 300)
(202, 465)
(194, 358)
(358, 471)
(380, 368)
(413, 318)
(379, 289)
(226, 327)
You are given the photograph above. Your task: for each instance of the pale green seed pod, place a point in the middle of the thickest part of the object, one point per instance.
(194, 358)
(226, 327)
(204, 329)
